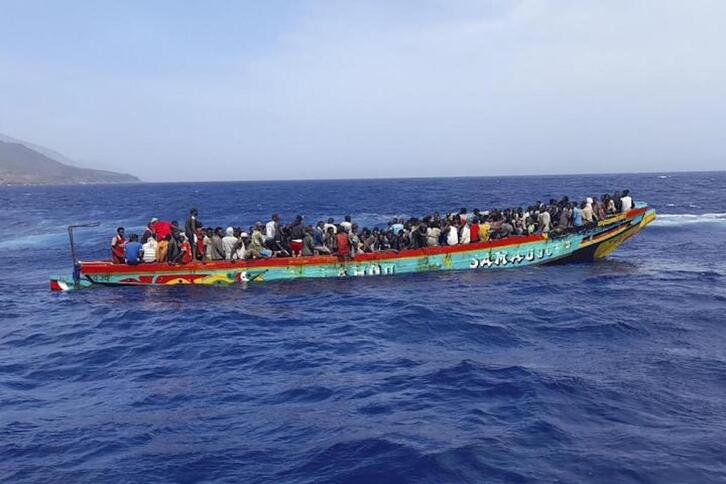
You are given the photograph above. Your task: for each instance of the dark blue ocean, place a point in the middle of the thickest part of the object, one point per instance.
(606, 372)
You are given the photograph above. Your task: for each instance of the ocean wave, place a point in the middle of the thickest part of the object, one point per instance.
(676, 219)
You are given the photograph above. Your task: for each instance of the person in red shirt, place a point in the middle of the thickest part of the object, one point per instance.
(186, 250)
(474, 237)
(343, 243)
(118, 246)
(200, 247)
(161, 228)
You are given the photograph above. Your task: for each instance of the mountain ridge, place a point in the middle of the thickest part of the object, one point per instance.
(23, 163)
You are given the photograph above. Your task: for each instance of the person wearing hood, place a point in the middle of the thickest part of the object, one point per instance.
(217, 244)
(229, 243)
(308, 242)
(587, 212)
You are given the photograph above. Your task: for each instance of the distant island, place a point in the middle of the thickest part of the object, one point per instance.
(23, 163)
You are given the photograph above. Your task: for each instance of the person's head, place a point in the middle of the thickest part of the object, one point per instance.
(331, 220)
(626, 193)
(347, 218)
(153, 221)
(276, 217)
(354, 228)
(395, 220)
(331, 230)
(210, 232)
(134, 238)
(175, 223)
(218, 231)
(309, 230)
(320, 224)
(230, 231)
(298, 219)
(194, 212)
(462, 211)
(120, 231)
(244, 236)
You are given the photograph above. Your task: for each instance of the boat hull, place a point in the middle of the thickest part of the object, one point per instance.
(513, 252)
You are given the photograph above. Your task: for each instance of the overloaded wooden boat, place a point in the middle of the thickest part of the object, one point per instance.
(517, 251)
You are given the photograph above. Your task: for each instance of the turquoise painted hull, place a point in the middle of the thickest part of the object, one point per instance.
(510, 253)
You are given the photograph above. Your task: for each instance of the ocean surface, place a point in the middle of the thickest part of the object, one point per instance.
(606, 372)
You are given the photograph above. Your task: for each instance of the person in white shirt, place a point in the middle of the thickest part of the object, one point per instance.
(239, 253)
(544, 221)
(465, 237)
(452, 237)
(229, 242)
(271, 227)
(626, 201)
(150, 249)
(347, 225)
(330, 224)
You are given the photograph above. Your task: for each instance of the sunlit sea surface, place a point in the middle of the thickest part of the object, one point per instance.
(605, 372)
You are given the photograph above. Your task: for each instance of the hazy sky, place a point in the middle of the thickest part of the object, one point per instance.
(213, 90)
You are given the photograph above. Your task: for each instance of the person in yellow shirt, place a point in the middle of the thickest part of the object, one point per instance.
(484, 229)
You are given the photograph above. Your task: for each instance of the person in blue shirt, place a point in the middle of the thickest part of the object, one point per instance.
(133, 251)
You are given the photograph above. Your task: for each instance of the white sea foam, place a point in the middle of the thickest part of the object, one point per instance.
(675, 219)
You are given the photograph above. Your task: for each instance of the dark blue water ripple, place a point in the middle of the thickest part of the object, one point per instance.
(607, 372)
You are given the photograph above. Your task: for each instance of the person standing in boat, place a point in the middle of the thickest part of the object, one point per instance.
(297, 233)
(118, 243)
(190, 230)
(626, 202)
(343, 243)
(161, 228)
(272, 228)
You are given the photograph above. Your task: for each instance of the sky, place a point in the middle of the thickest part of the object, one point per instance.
(237, 90)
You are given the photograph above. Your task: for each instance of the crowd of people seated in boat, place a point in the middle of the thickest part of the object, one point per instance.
(167, 242)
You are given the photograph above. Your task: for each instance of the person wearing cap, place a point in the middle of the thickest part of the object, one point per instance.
(239, 253)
